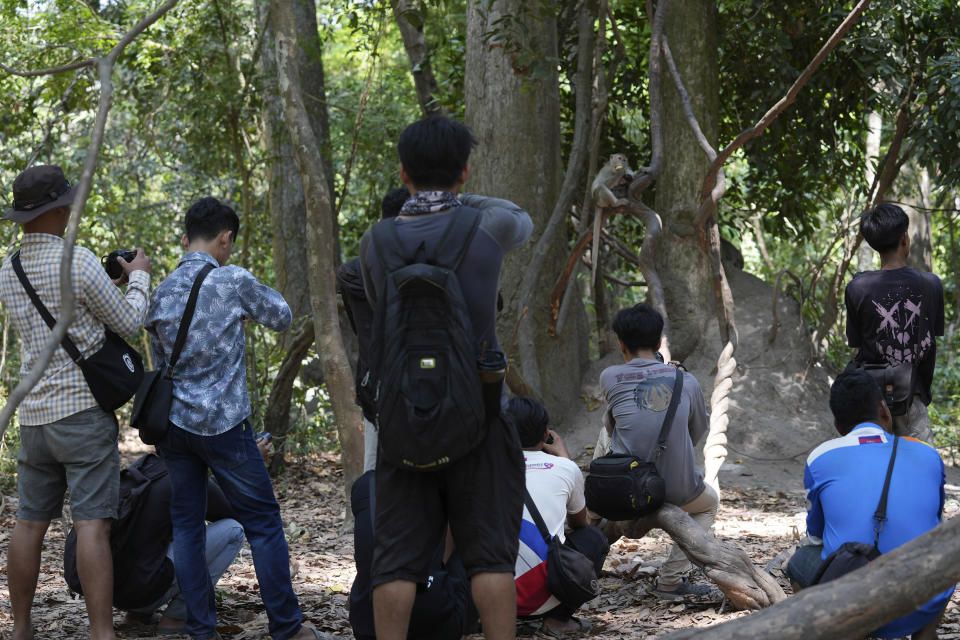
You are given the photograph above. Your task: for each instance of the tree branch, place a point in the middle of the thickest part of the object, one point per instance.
(79, 64)
(891, 586)
(709, 206)
(67, 297)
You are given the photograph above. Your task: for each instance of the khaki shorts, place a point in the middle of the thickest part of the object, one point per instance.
(78, 452)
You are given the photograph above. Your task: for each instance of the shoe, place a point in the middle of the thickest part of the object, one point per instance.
(689, 590)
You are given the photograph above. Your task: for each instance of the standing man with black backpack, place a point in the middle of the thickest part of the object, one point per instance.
(445, 455)
(894, 316)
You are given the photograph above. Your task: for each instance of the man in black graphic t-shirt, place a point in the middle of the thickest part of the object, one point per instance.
(895, 314)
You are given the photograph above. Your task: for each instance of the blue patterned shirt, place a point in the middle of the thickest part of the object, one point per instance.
(210, 379)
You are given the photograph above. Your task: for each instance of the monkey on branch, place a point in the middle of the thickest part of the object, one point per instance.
(609, 190)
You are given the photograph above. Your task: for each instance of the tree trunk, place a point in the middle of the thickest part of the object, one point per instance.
(287, 206)
(866, 257)
(285, 198)
(921, 227)
(337, 372)
(514, 113)
(746, 586)
(889, 587)
(691, 29)
(410, 22)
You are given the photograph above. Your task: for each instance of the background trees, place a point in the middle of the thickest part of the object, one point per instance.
(551, 90)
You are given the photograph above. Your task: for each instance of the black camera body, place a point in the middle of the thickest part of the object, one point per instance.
(112, 265)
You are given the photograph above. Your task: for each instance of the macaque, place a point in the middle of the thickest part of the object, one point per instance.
(613, 175)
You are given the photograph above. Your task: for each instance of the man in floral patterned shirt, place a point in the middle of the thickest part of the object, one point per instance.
(208, 419)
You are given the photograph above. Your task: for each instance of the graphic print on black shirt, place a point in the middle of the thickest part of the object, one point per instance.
(894, 316)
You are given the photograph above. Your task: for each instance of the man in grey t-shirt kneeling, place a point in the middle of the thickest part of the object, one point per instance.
(636, 396)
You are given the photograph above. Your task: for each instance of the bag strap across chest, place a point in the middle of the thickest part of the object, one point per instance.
(537, 518)
(668, 418)
(188, 314)
(880, 515)
(66, 343)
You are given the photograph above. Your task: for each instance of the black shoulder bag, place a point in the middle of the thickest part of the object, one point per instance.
(624, 487)
(571, 577)
(151, 407)
(113, 373)
(853, 555)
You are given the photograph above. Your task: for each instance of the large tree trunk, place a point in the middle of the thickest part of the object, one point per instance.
(337, 373)
(288, 214)
(691, 29)
(891, 586)
(514, 113)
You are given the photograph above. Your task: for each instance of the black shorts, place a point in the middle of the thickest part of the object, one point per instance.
(480, 496)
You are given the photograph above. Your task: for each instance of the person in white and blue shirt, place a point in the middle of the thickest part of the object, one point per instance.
(844, 479)
(209, 429)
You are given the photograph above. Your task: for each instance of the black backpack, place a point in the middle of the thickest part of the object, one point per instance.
(430, 409)
(138, 580)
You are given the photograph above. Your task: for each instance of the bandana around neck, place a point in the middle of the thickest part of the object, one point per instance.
(424, 202)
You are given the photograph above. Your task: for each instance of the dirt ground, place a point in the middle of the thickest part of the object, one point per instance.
(761, 521)
(778, 413)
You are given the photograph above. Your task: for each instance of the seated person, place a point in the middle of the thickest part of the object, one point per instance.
(844, 478)
(141, 543)
(443, 608)
(555, 484)
(637, 395)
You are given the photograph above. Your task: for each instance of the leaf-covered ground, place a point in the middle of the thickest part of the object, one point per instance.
(762, 522)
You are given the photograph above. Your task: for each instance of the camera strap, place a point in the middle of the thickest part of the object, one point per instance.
(66, 343)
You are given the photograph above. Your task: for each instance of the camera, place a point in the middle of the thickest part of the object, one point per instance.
(112, 265)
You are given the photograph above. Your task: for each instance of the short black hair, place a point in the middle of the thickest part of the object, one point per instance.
(530, 419)
(638, 327)
(207, 217)
(883, 226)
(854, 398)
(393, 202)
(434, 151)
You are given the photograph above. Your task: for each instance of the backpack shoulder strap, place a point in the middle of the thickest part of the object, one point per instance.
(66, 343)
(457, 237)
(386, 245)
(668, 418)
(188, 314)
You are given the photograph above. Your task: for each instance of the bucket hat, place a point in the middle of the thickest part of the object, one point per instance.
(36, 191)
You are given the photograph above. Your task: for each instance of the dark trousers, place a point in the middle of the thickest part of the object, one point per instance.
(591, 542)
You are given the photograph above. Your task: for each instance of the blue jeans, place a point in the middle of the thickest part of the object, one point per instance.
(224, 539)
(804, 564)
(236, 463)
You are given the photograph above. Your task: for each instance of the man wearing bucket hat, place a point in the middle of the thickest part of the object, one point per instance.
(66, 439)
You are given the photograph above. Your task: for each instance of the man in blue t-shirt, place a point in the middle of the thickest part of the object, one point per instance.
(844, 479)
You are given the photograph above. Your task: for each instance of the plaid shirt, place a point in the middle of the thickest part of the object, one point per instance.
(210, 379)
(63, 391)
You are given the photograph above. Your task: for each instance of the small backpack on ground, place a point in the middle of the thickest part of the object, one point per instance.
(430, 409)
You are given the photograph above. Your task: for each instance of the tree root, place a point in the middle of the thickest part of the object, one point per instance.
(746, 586)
